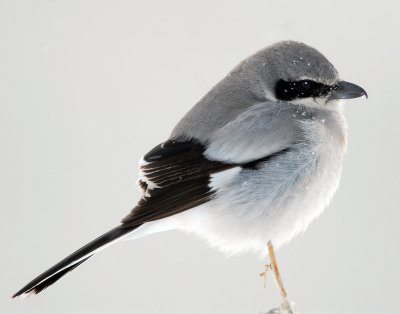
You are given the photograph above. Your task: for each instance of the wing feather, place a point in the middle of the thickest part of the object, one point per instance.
(175, 177)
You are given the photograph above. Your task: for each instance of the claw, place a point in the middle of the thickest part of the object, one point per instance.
(268, 267)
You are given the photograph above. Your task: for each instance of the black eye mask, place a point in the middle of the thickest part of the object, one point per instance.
(300, 89)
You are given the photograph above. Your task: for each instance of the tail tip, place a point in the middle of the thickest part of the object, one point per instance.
(23, 294)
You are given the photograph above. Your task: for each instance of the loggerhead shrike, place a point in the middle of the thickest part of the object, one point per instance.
(253, 162)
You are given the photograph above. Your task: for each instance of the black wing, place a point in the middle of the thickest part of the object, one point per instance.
(176, 177)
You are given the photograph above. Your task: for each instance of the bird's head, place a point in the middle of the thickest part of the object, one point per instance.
(294, 72)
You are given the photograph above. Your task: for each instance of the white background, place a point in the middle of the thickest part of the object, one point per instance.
(87, 87)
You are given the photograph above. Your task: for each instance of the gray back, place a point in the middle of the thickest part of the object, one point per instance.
(251, 82)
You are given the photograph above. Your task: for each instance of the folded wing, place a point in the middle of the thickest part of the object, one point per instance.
(175, 177)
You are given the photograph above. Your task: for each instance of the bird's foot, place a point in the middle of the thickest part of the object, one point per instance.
(267, 269)
(286, 308)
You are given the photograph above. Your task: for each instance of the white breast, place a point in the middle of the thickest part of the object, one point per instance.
(277, 201)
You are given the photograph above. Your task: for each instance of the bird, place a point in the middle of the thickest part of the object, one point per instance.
(248, 168)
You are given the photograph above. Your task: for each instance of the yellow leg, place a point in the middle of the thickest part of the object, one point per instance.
(285, 306)
(274, 266)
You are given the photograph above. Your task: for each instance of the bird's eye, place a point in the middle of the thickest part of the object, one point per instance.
(306, 85)
(289, 90)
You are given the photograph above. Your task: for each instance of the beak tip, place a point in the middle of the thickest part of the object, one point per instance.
(347, 90)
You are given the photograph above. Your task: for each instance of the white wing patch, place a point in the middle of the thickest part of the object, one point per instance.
(221, 179)
(144, 183)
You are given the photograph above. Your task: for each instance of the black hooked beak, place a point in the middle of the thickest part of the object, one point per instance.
(346, 90)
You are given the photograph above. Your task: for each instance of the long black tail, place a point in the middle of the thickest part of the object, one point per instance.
(72, 261)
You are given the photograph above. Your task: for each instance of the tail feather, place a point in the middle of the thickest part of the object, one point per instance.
(52, 279)
(72, 261)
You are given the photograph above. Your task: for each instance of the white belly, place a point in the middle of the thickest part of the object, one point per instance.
(255, 209)
(274, 203)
